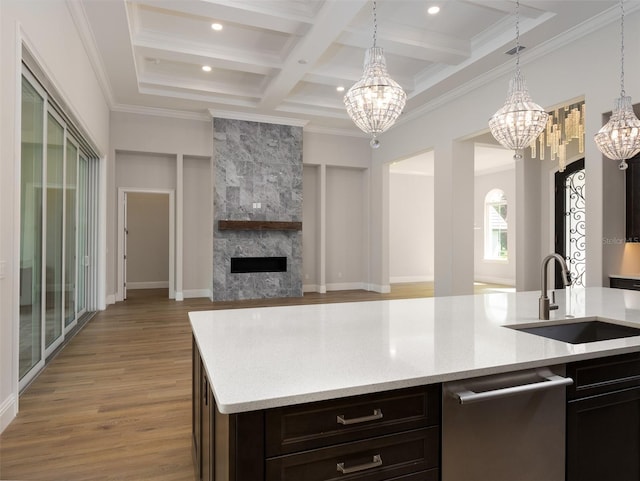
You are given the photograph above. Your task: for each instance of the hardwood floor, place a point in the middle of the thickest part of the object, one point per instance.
(115, 404)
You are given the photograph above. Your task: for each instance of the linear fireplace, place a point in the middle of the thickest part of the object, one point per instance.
(258, 264)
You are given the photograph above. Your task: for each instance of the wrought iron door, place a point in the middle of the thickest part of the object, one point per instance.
(570, 221)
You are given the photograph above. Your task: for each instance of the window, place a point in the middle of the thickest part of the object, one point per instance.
(495, 225)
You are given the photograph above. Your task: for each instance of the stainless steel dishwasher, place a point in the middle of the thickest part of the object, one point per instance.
(506, 427)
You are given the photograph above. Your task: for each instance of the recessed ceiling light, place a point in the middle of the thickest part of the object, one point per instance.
(433, 10)
(302, 61)
(340, 88)
(216, 26)
(206, 68)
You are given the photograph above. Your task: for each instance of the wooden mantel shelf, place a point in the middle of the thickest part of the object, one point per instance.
(258, 225)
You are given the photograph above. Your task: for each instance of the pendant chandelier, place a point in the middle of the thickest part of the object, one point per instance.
(565, 125)
(619, 139)
(376, 100)
(519, 122)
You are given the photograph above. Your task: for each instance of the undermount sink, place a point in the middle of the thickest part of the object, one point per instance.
(578, 331)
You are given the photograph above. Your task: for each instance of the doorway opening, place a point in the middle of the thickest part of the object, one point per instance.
(146, 241)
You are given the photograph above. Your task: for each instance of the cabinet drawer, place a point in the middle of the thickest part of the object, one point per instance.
(620, 283)
(597, 376)
(382, 458)
(309, 426)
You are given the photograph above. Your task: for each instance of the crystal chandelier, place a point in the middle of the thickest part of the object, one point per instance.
(619, 139)
(376, 100)
(519, 122)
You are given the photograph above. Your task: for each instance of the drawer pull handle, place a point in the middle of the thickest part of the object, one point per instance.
(377, 414)
(377, 461)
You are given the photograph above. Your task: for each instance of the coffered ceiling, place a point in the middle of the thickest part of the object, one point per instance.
(282, 60)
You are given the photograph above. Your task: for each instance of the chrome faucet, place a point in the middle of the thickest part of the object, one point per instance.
(544, 305)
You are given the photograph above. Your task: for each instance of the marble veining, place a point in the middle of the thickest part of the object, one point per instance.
(257, 163)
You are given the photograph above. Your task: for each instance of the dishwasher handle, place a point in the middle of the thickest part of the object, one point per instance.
(466, 396)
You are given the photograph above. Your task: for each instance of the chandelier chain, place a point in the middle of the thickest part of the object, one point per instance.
(517, 35)
(375, 24)
(622, 93)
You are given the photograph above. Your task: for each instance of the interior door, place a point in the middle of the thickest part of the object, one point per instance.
(570, 221)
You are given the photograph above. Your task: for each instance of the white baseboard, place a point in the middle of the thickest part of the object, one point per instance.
(403, 279)
(110, 299)
(148, 285)
(191, 293)
(8, 411)
(346, 286)
(382, 289)
(496, 280)
(310, 288)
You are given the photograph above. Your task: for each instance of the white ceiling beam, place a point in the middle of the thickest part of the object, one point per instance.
(191, 85)
(195, 59)
(237, 12)
(333, 17)
(407, 48)
(347, 79)
(207, 99)
(411, 42)
(172, 44)
(507, 6)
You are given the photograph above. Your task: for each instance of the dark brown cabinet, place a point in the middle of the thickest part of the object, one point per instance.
(392, 435)
(624, 283)
(603, 419)
(203, 419)
(632, 199)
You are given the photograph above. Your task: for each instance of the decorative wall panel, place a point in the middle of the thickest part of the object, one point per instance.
(258, 177)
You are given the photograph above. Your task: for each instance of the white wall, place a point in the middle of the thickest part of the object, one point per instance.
(310, 214)
(496, 271)
(147, 240)
(410, 228)
(346, 224)
(198, 234)
(329, 198)
(553, 77)
(149, 147)
(48, 30)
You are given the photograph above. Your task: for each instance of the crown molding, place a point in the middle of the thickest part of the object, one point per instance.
(317, 129)
(252, 117)
(159, 112)
(80, 20)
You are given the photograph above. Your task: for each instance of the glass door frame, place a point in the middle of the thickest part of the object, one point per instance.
(60, 339)
(74, 322)
(39, 364)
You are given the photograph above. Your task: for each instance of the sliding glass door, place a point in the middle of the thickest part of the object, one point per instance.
(82, 264)
(58, 228)
(31, 228)
(53, 231)
(70, 241)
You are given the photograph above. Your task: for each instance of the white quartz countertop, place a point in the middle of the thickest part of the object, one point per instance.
(268, 357)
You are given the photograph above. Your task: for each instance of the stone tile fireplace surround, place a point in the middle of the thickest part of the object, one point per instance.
(258, 177)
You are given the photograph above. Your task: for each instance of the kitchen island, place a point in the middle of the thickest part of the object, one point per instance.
(266, 366)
